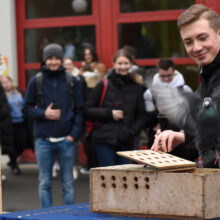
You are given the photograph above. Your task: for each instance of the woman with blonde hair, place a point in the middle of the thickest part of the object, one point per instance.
(22, 134)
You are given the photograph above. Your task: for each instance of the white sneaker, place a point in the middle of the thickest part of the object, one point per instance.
(75, 173)
(84, 170)
(3, 177)
(56, 168)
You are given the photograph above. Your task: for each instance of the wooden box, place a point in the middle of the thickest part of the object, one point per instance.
(137, 190)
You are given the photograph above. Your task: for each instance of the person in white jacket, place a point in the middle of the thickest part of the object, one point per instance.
(166, 75)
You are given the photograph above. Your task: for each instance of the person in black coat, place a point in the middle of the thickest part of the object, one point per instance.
(121, 116)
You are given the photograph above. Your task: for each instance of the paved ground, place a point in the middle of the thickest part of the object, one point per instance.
(21, 192)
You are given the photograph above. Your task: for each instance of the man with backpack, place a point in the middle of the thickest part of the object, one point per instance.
(54, 100)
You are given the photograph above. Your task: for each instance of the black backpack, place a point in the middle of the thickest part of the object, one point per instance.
(70, 86)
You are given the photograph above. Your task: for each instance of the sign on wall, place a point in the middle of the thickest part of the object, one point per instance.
(3, 65)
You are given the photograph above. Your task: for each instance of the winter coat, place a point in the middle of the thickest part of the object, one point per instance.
(210, 84)
(177, 82)
(55, 90)
(6, 129)
(123, 93)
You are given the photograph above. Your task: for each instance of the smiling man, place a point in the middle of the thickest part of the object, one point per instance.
(55, 107)
(200, 30)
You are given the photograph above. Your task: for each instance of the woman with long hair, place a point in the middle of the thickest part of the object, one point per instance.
(21, 135)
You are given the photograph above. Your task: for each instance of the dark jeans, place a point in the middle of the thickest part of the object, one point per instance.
(107, 156)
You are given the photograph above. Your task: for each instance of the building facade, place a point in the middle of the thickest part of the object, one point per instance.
(147, 25)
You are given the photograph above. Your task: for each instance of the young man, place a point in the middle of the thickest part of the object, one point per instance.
(200, 30)
(57, 123)
(166, 75)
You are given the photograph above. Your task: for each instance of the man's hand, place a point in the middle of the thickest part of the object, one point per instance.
(167, 140)
(117, 114)
(70, 138)
(52, 114)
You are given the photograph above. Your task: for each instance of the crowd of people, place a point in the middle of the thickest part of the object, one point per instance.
(106, 110)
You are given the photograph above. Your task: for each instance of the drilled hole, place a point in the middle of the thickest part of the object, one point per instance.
(167, 161)
(103, 185)
(124, 178)
(102, 177)
(113, 178)
(147, 186)
(136, 186)
(147, 179)
(113, 185)
(125, 186)
(135, 178)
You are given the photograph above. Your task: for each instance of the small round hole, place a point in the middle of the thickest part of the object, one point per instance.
(113, 185)
(124, 178)
(136, 186)
(102, 177)
(113, 178)
(147, 179)
(103, 185)
(125, 186)
(135, 178)
(147, 186)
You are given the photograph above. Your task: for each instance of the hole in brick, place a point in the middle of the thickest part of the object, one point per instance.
(147, 179)
(141, 158)
(174, 161)
(103, 185)
(102, 177)
(113, 178)
(136, 186)
(147, 186)
(125, 186)
(152, 162)
(156, 157)
(167, 161)
(113, 185)
(124, 178)
(135, 178)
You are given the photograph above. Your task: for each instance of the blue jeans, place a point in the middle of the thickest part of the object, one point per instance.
(107, 156)
(45, 153)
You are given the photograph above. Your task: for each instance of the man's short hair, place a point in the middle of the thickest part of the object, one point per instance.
(196, 12)
(165, 64)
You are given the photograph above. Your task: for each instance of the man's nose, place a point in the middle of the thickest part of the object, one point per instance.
(197, 46)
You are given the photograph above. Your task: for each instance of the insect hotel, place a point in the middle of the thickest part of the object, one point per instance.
(160, 186)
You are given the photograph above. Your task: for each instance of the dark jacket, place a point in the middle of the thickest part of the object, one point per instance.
(6, 129)
(209, 87)
(55, 90)
(124, 93)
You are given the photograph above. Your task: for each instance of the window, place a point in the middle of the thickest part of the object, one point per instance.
(153, 5)
(153, 39)
(57, 8)
(72, 38)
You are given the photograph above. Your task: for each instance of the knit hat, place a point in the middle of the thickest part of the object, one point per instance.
(52, 50)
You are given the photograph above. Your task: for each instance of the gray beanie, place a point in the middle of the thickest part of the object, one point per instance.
(52, 50)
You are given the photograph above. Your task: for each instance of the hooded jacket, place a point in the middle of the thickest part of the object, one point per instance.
(177, 82)
(123, 93)
(54, 91)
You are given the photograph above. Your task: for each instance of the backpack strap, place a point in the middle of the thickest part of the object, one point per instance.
(70, 85)
(104, 88)
(39, 78)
